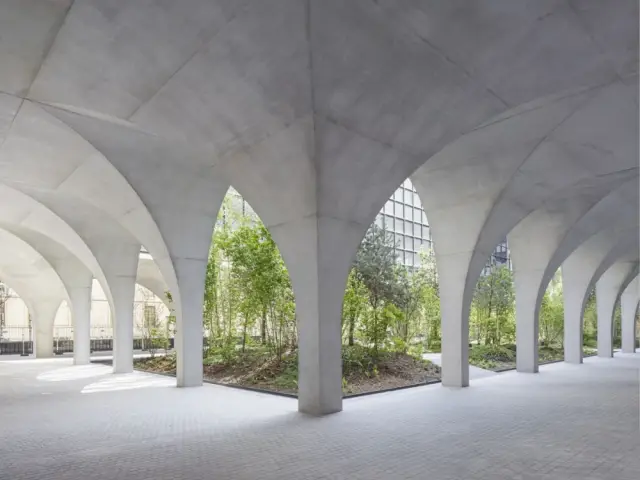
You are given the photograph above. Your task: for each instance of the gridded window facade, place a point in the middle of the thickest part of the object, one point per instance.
(404, 216)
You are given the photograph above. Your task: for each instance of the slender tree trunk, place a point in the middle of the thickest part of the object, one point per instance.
(263, 327)
(244, 335)
(352, 328)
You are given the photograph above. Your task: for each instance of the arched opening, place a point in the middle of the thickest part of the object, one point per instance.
(391, 307)
(249, 322)
(492, 325)
(590, 324)
(16, 328)
(551, 322)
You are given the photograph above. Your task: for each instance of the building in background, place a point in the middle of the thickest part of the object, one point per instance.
(148, 310)
(404, 216)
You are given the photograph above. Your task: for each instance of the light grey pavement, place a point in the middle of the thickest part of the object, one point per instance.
(568, 422)
(474, 372)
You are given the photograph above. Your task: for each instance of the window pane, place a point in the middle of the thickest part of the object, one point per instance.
(408, 197)
(416, 200)
(379, 221)
(388, 223)
(408, 228)
(409, 259)
(408, 213)
(397, 195)
(416, 259)
(409, 243)
(424, 218)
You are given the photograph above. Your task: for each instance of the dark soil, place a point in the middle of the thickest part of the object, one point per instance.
(363, 371)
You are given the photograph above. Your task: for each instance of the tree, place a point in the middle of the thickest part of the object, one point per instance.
(552, 313)
(376, 267)
(493, 305)
(430, 299)
(409, 299)
(353, 306)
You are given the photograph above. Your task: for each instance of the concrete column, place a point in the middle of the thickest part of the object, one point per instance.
(608, 288)
(629, 307)
(81, 307)
(43, 313)
(43, 340)
(319, 253)
(452, 271)
(605, 303)
(532, 244)
(123, 291)
(189, 332)
(574, 292)
(527, 286)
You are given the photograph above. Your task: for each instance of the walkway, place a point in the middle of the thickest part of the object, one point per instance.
(474, 372)
(568, 422)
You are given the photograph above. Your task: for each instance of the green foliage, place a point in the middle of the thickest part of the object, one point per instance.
(491, 356)
(353, 307)
(493, 309)
(248, 295)
(376, 267)
(552, 314)
(250, 318)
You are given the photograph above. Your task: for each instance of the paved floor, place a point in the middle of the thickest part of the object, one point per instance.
(474, 372)
(568, 422)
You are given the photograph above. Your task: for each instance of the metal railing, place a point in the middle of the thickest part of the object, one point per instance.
(60, 346)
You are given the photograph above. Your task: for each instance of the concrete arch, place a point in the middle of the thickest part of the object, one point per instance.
(23, 291)
(490, 180)
(38, 280)
(23, 212)
(150, 277)
(390, 85)
(629, 300)
(76, 278)
(172, 211)
(609, 288)
(581, 271)
(115, 251)
(542, 241)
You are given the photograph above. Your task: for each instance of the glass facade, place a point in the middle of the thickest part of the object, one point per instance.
(404, 216)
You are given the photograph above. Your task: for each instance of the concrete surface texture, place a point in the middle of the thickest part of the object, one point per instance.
(567, 423)
(124, 123)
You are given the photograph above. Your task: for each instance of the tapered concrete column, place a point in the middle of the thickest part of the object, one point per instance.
(527, 285)
(123, 291)
(319, 253)
(44, 341)
(608, 289)
(605, 302)
(629, 307)
(44, 312)
(452, 272)
(81, 307)
(574, 283)
(188, 337)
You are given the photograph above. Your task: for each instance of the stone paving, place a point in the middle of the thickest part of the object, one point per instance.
(568, 422)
